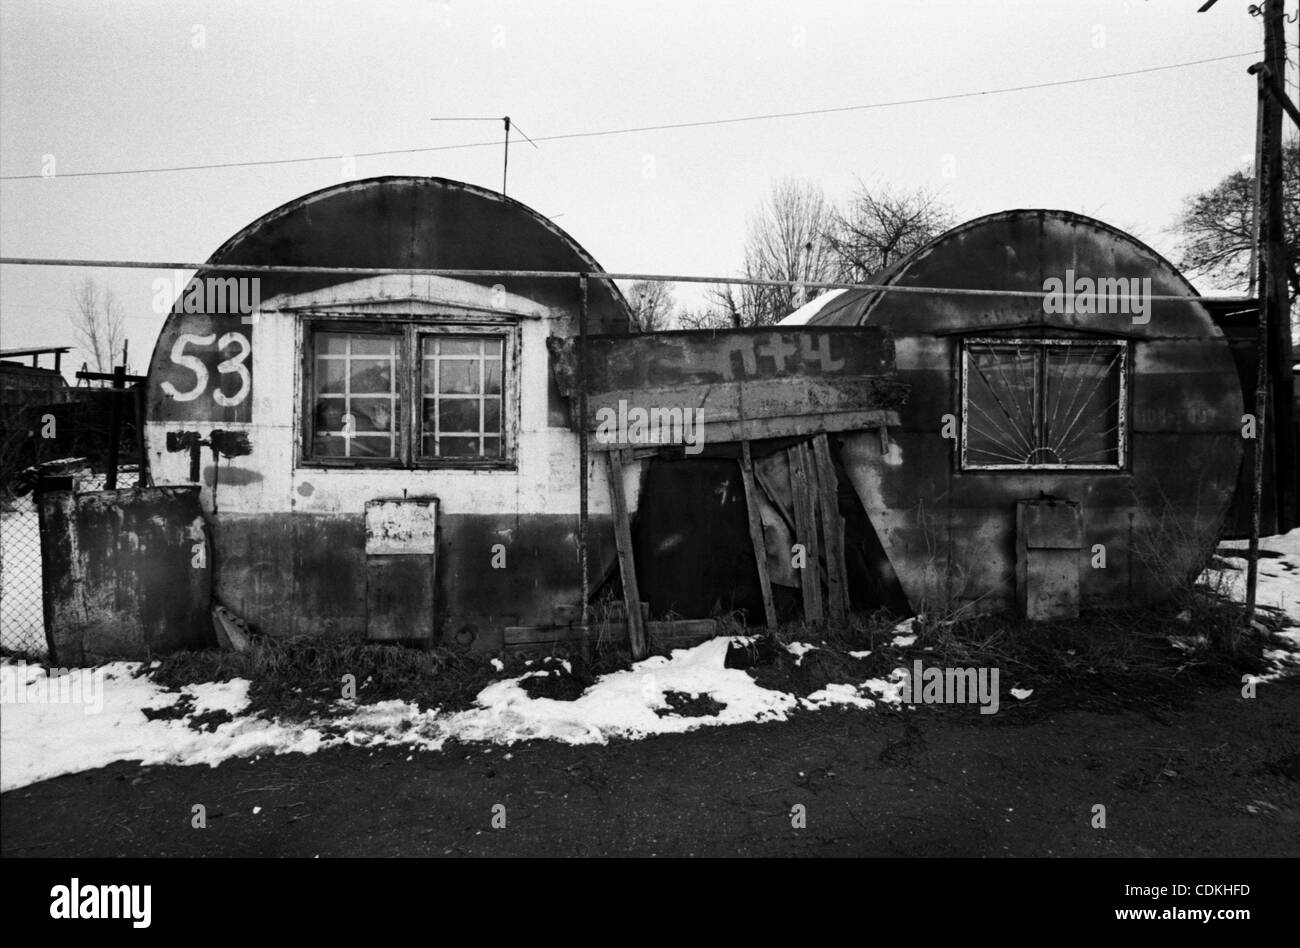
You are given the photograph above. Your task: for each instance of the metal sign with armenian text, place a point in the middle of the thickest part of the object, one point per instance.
(732, 385)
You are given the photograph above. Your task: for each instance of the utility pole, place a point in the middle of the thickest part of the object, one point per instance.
(1281, 372)
(1274, 335)
(1275, 381)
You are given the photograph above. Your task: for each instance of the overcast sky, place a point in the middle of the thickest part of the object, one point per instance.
(133, 85)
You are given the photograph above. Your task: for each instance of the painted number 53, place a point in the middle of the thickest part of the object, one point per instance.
(196, 365)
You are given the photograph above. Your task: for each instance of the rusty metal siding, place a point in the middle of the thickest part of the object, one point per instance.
(950, 534)
(128, 573)
(306, 574)
(1049, 538)
(401, 568)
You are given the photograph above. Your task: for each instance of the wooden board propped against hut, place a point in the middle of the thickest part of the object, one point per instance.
(689, 389)
(700, 386)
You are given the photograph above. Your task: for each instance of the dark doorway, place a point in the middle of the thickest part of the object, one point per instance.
(691, 541)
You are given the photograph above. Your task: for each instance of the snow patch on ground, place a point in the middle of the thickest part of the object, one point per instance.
(890, 690)
(1278, 587)
(44, 740)
(799, 650)
(1279, 576)
(904, 633)
(842, 694)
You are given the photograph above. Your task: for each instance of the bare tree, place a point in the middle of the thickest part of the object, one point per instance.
(800, 237)
(1217, 227)
(652, 304)
(712, 315)
(732, 306)
(99, 323)
(878, 227)
(787, 240)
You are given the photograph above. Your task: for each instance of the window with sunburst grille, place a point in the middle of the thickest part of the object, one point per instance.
(1052, 404)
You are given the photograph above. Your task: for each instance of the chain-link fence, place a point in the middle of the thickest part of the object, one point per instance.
(22, 618)
(22, 612)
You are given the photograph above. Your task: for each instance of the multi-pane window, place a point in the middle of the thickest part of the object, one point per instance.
(1043, 403)
(355, 395)
(460, 384)
(407, 393)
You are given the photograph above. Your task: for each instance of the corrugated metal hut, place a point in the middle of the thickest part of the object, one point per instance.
(383, 456)
(1079, 448)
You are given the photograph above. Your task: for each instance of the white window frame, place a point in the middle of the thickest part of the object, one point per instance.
(411, 329)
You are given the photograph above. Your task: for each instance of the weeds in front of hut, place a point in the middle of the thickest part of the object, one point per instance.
(830, 660)
(1173, 552)
(1105, 660)
(1149, 657)
(296, 677)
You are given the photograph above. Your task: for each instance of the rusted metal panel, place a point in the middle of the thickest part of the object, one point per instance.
(298, 573)
(1050, 526)
(256, 574)
(708, 357)
(692, 387)
(1047, 564)
(401, 568)
(400, 597)
(127, 573)
(766, 398)
(706, 428)
(1179, 386)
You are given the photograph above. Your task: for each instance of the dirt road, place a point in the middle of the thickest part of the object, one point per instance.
(1218, 777)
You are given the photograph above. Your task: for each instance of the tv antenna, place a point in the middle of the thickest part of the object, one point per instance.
(505, 120)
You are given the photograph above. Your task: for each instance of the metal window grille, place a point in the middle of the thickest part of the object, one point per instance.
(1044, 404)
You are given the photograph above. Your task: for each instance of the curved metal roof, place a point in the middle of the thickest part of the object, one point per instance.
(1011, 250)
(432, 223)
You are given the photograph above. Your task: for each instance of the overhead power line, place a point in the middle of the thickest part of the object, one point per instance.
(247, 268)
(569, 136)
